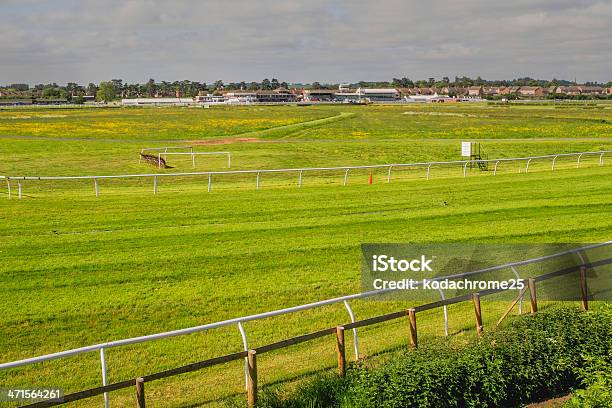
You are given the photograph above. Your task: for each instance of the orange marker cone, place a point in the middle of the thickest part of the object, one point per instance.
(370, 179)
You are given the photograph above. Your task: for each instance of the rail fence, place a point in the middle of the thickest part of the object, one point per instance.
(427, 166)
(251, 354)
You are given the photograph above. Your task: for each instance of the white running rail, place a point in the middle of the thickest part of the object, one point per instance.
(301, 171)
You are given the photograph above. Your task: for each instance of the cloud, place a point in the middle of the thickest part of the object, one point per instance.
(302, 40)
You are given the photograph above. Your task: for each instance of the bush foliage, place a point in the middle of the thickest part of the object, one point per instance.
(530, 359)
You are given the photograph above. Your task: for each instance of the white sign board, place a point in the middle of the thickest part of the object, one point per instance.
(466, 149)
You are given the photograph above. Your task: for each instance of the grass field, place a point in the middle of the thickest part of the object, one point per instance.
(77, 270)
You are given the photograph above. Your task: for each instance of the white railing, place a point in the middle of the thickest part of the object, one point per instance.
(193, 156)
(301, 171)
(101, 347)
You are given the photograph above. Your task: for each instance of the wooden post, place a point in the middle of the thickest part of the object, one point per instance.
(413, 328)
(340, 350)
(532, 294)
(140, 393)
(478, 311)
(252, 379)
(583, 288)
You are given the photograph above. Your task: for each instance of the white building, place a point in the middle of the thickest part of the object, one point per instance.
(379, 95)
(157, 102)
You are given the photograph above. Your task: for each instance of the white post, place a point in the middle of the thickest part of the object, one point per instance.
(601, 162)
(445, 313)
(104, 377)
(8, 184)
(355, 340)
(209, 182)
(301, 171)
(553, 163)
(192, 160)
(520, 305)
(495, 168)
(527, 167)
(229, 160)
(389, 175)
(159, 160)
(19, 188)
(245, 346)
(346, 176)
(96, 188)
(428, 170)
(465, 169)
(578, 162)
(140, 157)
(257, 183)
(154, 184)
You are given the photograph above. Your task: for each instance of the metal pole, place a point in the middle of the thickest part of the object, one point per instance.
(601, 162)
(301, 171)
(527, 168)
(19, 188)
(96, 188)
(445, 307)
(245, 344)
(428, 170)
(355, 340)
(553, 163)
(495, 168)
(209, 182)
(389, 175)
(229, 160)
(578, 162)
(154, 184)
(257, 183)
(8, 183)
(465, 169)
(104, 377)
(192, 160)
(346, 176)
(159, 160)
(520, 303)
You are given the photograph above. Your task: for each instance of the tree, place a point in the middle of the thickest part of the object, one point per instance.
(275, 84)
(265, 84)
(106, 92)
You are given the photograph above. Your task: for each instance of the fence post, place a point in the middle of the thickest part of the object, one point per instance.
(389, 175)
(495, 168)
(346, 171)
(8, 184)
(257, 182)
(301, 171)
(140, 393)
(527, 167)
(583, 288)
(252, 379)
(340, 350)
(209, 182)
(465, 169)
(19, 189)
(154, 184)
(159, 160)
(531, 283)
(578, 162)
(104, 375)
(96, 187)
(355, 339)
(553, 164)
(601, 162)
(413, 328)
(478, 312)
(229, 160)
(192, 160)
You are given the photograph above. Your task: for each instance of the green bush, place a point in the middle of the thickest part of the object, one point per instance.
(532, 358)
(597, 377)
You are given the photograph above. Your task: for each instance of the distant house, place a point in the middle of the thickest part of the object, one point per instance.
(568, 90)
(532, 91)
(591, 90)
(475, 91)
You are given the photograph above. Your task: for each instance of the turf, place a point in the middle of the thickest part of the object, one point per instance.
(77, 269)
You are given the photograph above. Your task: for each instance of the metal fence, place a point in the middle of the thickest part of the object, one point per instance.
(345, 300)
(300, 172)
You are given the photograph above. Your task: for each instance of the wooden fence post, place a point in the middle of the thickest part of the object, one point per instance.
(340, 350)
(140, 393)
(531, 283)
(413, 328)
(478, 311)
(583, 288)
(252, 379)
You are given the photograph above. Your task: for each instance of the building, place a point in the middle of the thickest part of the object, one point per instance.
(378, 95)
(278, 96)
(532, 91)
(157, 102)
(475, 91)
(319, 95)
(210, 98)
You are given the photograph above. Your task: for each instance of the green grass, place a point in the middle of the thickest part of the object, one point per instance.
(77, 270)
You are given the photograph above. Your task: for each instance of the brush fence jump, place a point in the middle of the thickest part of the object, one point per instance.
(193, 156)
(248, 354)
(163, 149)
(522, 164)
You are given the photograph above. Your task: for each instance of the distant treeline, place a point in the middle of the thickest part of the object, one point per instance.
(117, 88)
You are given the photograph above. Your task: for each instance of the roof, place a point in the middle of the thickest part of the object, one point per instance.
(377, 90)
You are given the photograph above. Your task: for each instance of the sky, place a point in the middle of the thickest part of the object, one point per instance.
(301, 41)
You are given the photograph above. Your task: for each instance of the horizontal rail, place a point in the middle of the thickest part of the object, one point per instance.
(191, 154)
(291, 170)
(269, 314)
